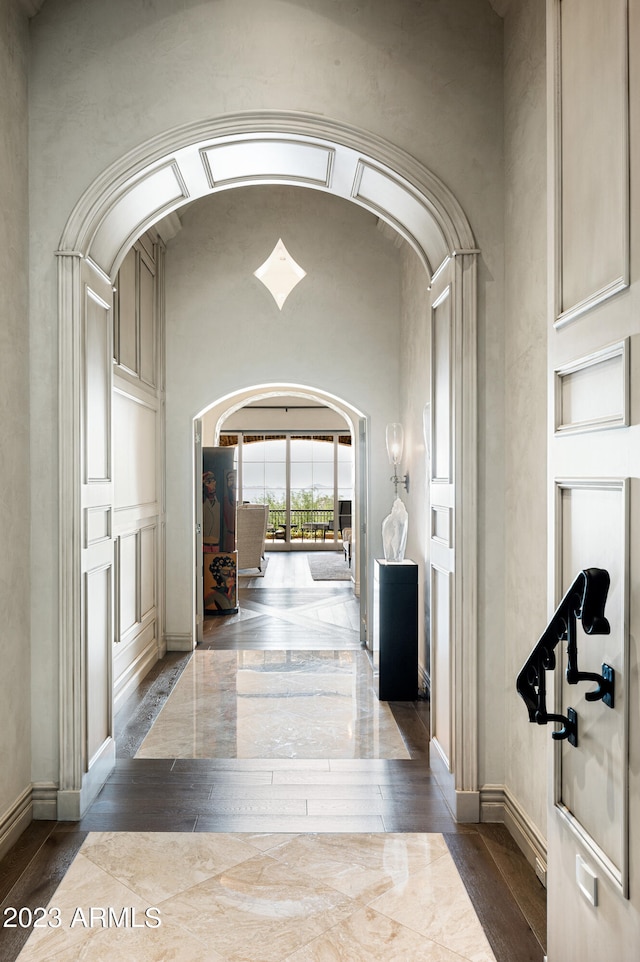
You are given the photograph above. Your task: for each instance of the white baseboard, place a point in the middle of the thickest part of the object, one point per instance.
(73, 803)
(465, 806)
(179, 642)
(135, 672)
(45, 801)
(492, 803)
(15, 820)
(497, 804)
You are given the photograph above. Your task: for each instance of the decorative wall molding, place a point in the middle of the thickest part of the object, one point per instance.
(163, 189)
(589, 166)
(464, 804)
(616, 868)
(130, 679)
(498, 804)
(15, 820)
(179, 642)
(465, 532)
(95, 226)
(73, 803)
(441, 527)
(443, 342)
(98, 464)
(235, 161)
(97, 524)
(45, 801)
(454, 644)
(610, 364)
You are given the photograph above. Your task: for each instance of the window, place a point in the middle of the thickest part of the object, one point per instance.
(306, 479)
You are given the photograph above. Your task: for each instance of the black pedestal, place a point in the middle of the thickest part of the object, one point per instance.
(395, 597)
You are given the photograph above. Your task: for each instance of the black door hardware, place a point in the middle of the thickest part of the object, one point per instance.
(584, 601)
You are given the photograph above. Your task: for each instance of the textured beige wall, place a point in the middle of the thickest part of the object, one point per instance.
(525, 389)
(15, 754)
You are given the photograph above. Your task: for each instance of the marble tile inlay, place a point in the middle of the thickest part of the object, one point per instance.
(264, 898)
(275, 704)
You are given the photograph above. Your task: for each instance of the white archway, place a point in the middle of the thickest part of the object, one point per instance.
(357, 423)
(149, 183)
(265, 148)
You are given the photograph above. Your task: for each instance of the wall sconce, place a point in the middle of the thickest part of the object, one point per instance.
(395, 444)
(426, 429)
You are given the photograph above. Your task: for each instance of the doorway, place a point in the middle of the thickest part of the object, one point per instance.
(314, 478)
(115, 211)
(307, 479)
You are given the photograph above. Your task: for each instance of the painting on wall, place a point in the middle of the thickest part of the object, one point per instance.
(219, 557)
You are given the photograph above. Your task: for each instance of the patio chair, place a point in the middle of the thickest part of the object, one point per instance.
(251, 532)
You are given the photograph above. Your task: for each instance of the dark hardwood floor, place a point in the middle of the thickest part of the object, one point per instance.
(282, 795)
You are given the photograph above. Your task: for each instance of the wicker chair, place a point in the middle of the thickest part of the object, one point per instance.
(251, 530)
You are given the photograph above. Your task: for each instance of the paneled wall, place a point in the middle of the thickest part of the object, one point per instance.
(594, 463)
(138, 415)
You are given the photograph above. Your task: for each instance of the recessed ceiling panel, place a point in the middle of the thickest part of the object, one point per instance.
(152, 195)
(269, 160)
(400, 207)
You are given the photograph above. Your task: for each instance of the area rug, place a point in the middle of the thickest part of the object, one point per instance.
(329, 567)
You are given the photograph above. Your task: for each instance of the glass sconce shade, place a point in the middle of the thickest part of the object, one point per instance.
(395, 442)
(426, 428)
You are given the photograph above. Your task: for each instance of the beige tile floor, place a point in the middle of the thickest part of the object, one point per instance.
(261, 898)
(275, 704)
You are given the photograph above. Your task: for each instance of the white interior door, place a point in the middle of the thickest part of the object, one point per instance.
(197, 502)
(594, 466)
(442, 523)
(453, 534)
(360, 512)
(93, 690)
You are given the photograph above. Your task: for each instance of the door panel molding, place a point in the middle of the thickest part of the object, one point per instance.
(453, 410)
(613, 649)
(588, 64)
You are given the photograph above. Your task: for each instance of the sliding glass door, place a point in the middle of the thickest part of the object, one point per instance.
(307, 481)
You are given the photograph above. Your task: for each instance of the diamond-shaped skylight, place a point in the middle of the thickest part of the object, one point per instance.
(280, 273)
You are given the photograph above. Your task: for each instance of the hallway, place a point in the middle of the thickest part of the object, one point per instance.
(334, 845)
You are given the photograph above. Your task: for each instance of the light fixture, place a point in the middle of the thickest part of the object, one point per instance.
(280, 273)
(426, 429)
(395, 445)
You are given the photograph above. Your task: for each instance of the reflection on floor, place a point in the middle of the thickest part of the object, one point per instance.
(265, 898)
(194, 836)
(275, 704)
